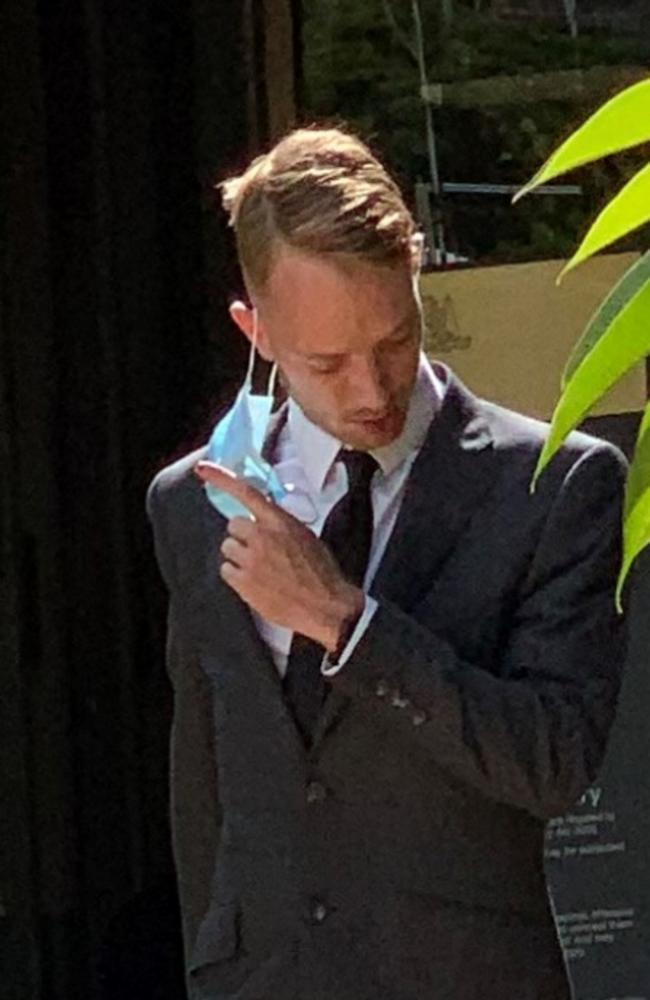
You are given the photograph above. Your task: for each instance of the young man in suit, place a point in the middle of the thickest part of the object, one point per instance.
(390, 677)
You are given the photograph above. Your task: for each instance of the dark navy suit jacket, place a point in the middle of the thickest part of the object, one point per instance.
(402, 856)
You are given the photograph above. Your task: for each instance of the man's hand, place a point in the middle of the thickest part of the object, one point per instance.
(279, 568)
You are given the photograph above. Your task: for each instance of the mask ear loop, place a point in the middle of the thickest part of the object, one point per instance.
(248, 381)
(270, 388)
(289, 488)
(249, 374)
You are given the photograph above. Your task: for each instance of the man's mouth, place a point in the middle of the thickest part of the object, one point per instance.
(380, 422)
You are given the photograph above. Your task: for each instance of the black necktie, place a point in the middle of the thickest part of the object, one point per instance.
(348, 533)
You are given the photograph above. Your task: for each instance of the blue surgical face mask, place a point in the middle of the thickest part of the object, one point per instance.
(237, 441)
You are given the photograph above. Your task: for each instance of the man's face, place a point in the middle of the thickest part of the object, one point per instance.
(346, 341)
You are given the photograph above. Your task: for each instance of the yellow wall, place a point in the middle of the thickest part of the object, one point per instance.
(508, 331)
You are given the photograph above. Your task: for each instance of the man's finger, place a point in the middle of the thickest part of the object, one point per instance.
(241, 528)
(234, 551)
(224, 479)
(232, 575)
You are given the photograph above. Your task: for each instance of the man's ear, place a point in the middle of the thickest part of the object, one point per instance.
(417, 254)
(244, 317)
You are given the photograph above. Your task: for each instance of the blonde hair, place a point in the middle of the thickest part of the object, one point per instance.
(321, 191)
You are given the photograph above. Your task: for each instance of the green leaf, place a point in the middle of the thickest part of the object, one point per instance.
(638, 477)
(636, 527)
(627, 286)
(625, 342)
(624, 213)
(620, 123)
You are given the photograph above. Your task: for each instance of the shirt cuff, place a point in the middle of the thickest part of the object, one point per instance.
(327, 667)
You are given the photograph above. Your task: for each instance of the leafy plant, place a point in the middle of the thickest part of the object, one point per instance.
(618, 335)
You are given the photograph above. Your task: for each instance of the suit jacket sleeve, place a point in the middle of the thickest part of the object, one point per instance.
(194, 805)
(531, 730)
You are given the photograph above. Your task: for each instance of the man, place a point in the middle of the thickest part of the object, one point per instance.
(387, 681)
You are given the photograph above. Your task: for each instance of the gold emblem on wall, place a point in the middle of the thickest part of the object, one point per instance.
(523, 327)
(442, 332)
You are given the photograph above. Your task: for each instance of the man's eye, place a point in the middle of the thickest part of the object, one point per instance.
(399, 342)
(324, 367)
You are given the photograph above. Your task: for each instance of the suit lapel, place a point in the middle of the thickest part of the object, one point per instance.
(277, 421)
(215, 525)
(449, 478)
(226, 622)
(230, 623)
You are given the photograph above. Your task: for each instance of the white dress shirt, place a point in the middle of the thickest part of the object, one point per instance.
(305, 462)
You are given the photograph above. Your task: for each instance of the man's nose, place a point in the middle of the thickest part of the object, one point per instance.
(370, 385)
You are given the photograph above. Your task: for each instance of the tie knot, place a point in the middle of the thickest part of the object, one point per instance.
(360, 467)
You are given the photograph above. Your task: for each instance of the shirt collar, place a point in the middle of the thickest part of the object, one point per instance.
(317, 450)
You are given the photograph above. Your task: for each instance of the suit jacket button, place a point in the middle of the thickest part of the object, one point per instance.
(418, 717)
(316, 792)
(318, 911)
(382, 689)
(398, 700)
